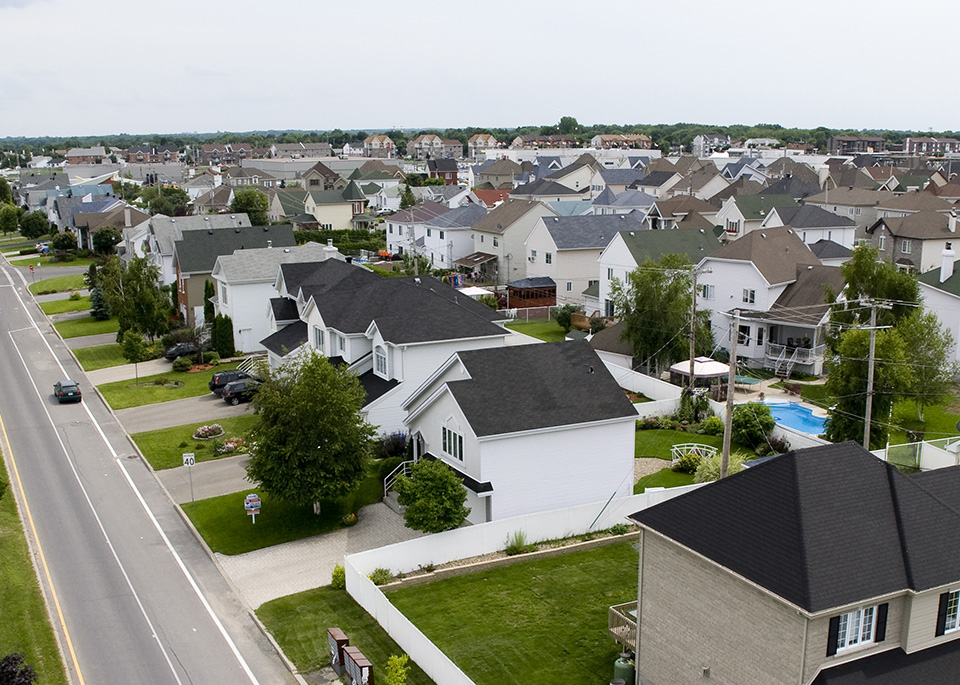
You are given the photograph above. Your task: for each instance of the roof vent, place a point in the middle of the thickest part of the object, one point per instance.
(206, 218)
(556, 218)
(417, 281)
(763, 235)
(209, 232)
(809, 268)
(790, 231)
(236, 230)
(632, 234)
(173, 220)
(590, 369)
(266, 228)
(286, 249)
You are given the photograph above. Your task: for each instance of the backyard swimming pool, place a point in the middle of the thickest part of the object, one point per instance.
(796, 416)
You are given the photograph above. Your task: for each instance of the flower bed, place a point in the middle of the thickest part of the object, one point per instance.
(231, 445)
(214, 430)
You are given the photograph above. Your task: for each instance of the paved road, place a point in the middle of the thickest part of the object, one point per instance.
(178, 412)
(134, 597)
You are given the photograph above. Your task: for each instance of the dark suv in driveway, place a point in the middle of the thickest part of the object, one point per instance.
(180, 350)
(240, 391)
(221, 378)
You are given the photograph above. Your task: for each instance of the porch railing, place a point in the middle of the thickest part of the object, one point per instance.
(622, 625)
(403, 469)
(801, 355)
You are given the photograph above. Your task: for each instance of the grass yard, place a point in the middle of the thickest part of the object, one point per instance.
(299, 624)
(25, 627)
(65, 305)
(164, 448)
(126, 393)
(47, 261)
(658, 441)
(99, 356)
(664, 478)
(495, 623)
(76, 328)
(227, 529)
(548, 331)
(58, 284)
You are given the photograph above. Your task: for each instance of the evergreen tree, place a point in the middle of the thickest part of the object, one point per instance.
(99, 309)
(209, 292)
(407, 199)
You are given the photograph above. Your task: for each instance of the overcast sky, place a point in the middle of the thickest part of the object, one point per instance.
(91, 67)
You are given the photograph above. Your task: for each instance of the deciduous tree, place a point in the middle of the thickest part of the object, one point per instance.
(254, 203)
(931, 347)
(433, 497)
(9, 218)
(6, 195)
(134, 350)
(105, 239)
(34, 225)
(131, 291)
(14, 670)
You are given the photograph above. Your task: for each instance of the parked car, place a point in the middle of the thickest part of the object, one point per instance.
(221, 378)
(240, 391)
(43, 247)
(180, 350)
(67, 391)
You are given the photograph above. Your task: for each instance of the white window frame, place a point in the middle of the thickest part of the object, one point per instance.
(749, 296)
(953, 612)
(906, 247)
(452, 443)
(548, 258)
(496, 242)
(533, 255)
(857, 628)
(380, 360)
(882, 242)
(569, 286)
(610, 274)
(318, 339)
(223, 293)
(708, 291)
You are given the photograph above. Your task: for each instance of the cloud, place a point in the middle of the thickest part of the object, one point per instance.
(18, 4)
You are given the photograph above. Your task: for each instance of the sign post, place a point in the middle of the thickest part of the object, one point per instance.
(189, 461)
(252, 504)
(33, 274)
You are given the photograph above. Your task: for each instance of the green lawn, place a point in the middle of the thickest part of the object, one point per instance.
(664, 478)
(126, 393)
(25, 627)
(658, 441)
(65, 305)
(47, 261)
(76, 328)
(227, 528)
(548, 331)
(59, 284)
(164, 448)
(495, 623)
(299, 624)
(99, 356)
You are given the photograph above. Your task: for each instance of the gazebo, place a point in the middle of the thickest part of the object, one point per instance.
(707, 373)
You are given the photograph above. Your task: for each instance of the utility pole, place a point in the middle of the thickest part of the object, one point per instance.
(870, 364)
(731, 380)
(694, 272)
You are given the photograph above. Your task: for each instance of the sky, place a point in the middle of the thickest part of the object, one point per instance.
(91, 67)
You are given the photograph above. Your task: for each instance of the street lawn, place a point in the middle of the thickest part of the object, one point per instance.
(65, 305)
(226, 527)
(664, 478)
(299, 624)
(494, 623)
(658, 441)
(58, 284)
(76, 328)
(159, 388)
(164, 448)
(26, 626)
(548, 330)
(45, 261)
(99, 356)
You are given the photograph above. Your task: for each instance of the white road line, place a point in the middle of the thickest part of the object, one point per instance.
(143, 503)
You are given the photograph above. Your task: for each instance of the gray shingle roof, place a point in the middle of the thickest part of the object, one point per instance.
(287, 339)
(654, 179)
(197, 251)
(620, 176)
(461, 217)
(261, 264)
(591, 231)
(168, 230)
(530, 387)
(811, 216)
(284, 309)
(827, 249)
(546, 187)
(776, 252)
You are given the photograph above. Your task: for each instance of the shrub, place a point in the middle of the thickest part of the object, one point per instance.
(752, 423)
(426, 568)
(230, 445)
(713, 425)
(349, 520)
(204, 432)
(774, 445)
(29, 250)
(182, 365)
(211, 358)
(688, 463)
(397, 670)
(393, 445)
(388, 465)
(597, 324)
(648, 423)
(338, 579)
(563, 314)
(380, 576)
(709, 469)
(161, 380)
(517, 544)
(74, 296)
(619, 529)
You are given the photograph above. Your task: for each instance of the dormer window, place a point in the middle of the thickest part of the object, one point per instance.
(380, 361)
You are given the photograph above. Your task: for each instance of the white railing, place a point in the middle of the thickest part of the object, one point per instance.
(925, 456)
(679, 451)
(804, 355)
(403, 469)
(250, 364)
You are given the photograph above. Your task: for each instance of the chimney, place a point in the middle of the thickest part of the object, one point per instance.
(952, 225)
(126, 216)
(946, 262)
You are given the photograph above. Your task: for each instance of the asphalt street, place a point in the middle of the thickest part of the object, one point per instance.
(133, 595)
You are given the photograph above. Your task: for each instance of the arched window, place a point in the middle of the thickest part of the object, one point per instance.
(380, 359)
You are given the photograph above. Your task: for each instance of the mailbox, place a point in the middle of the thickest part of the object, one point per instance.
(358, 668)
(337, 641)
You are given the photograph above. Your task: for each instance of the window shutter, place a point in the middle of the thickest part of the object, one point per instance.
(833, 635)
(942, 615)
(881, 632)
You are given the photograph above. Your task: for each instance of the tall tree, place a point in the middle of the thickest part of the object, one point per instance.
(433, 497)
(931, 347)
(407, 198)
(14, 670)
(654, 305)
(209, 292)
(254, 203)
(9, 218)
(167, 201)
(311, 443)
(6, 195)
(105, 239)
(34, 225)
(130, 290)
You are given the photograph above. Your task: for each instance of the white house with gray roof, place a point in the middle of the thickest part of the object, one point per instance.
(813, 224)
(449, 237)
(566, 249)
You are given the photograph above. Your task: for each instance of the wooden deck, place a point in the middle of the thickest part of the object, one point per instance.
(622, 626)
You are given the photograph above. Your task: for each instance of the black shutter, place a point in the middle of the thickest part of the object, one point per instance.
(881, 632)
(833, 634)
(942, 614)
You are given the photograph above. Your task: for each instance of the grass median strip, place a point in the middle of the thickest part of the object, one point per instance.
(299, 623)
(164, 448)
(77, 328)
(46, 262)
(226, 527)
(99, 356)
(65, 305)
(58, 284)
(25, 627)
(161, 387)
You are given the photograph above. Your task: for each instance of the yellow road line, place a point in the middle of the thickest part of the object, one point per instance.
(43, 559)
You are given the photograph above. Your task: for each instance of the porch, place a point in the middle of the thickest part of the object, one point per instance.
(783, 358)
(622, 625)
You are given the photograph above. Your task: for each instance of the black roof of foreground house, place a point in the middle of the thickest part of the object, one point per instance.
(798, 524)
(937, 665)
(530, 387)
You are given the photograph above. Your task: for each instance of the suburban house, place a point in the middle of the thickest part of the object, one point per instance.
(565, 249)
(584, 174)
(499, 253)
(703, 183)
(526, 142)
(479, 142)
(146, 154)
(616, 140)
(682, 211)
(321, 177)
(860, 204)
(813, 224)
(406, 229)
(425, 146)
(795, 185)
(499, 173)
(910, 203)
(546, 190)
(239, 177)
(940, 289)
(618, 180)
(202, 183)
(195, 254)
(86, 155)
(777, 284)
(325, 209)
(449, 236)
(244, 285)
(628, 201)
(445, 169)
(121, 217)
(301, 150)
(631, 248)
(657, 183)
(391, 332)
(742, 214)
(830, 253)
(379, 145)
(822, 566)
(705, 144)
(914, 242)
(217, 200)
(229, 153)
(611, 347)
(521, 426)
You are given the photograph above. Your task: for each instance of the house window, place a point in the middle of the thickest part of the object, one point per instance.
(906, 247)
(318, 338)
(341, 343)
(749, 296)
(548, 257)
(380, 359)
(223, 293)
(496, 242)
(759, 336)
(607, 308)
(858, 211)
(481, 239)
(733, 226)
(882, 242)
(569, 286)
(707, 291)
(428, 233)
(856, 627)
(389, 228)
(533, 255)
(441, 235)
(610, 274)
(452, 443)
(744, 337)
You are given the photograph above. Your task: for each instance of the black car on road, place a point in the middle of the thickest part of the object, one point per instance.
(240, 391)
(67, 391)
(221, 378)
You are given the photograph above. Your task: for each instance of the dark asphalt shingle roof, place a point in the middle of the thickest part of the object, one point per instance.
(546, 187)
(938, 665)
(287, 339)
(590, 231)
(284, 309)
(823, 527)
(827, 249)
(654, 179)
(811, 216)
(529, 387)
(197, 251)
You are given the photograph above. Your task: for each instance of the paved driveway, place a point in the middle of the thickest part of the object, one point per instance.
(178, 412)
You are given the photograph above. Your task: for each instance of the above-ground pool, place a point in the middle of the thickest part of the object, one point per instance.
(796, 416)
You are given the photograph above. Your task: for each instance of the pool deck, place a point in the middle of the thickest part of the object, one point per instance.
(777, 395)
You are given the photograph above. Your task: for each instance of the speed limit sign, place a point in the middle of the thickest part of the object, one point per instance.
(188, 459)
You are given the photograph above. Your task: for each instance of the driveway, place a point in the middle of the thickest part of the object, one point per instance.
(210, 479)
(178, 412)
